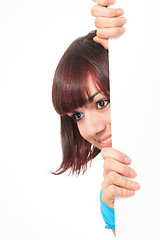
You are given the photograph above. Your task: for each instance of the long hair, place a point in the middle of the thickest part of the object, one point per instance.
(70, 91)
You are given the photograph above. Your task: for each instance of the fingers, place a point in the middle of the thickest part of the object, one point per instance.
(99, 11)
(107, 17)
(105, 2)
(101, 22)
(116, 174)
(106, 33)
(115, 185)
(109, 21)
(114, 178)
(103, 42)
(113, 165)
(113, 191)
(115, 154)
(116, 161)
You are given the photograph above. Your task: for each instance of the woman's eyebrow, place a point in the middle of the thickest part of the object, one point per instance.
(90, 99)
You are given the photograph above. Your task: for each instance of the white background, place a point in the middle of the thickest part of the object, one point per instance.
(34, 204)
(135, 101)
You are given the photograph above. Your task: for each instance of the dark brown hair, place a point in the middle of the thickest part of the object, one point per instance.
(70, 91)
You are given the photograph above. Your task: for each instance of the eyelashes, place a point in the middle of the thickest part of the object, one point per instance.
(101, 104)
(77, 116)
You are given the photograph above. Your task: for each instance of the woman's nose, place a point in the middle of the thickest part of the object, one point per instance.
(95, 124)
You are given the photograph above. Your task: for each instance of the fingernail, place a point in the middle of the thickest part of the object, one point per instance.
(127, 160)
(133, 174)
(96, 39)
(135, 186)
(130, 192)
(111, 2)
(120, 12)
(123, 20)
(122, 30)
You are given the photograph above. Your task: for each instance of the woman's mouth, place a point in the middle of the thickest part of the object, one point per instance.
(106, 142)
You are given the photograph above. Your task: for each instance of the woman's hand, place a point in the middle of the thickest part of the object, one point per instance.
(109, 21)
(116, 174)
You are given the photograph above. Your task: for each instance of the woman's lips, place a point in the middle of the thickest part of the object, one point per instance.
(105, 142)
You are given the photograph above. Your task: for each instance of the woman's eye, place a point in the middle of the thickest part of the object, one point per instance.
(77, 116)
(102, 103)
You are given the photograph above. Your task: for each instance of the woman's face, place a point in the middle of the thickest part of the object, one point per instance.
(94, 119)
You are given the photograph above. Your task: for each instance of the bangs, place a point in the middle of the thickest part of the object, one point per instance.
(75, 86)
(70, 84)
(72, 88)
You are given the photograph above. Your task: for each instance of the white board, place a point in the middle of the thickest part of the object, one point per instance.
(135, 113)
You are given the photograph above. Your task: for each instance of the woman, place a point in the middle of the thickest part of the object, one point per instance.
(81, 95)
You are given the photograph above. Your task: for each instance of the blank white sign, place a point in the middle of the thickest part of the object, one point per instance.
(135, 100)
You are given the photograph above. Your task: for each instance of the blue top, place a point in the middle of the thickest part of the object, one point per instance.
(107, 214)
